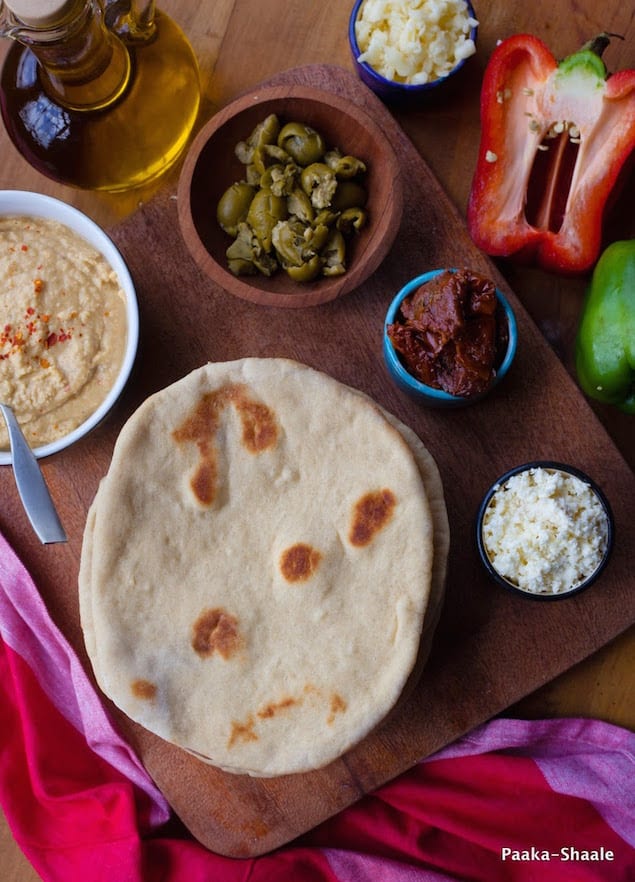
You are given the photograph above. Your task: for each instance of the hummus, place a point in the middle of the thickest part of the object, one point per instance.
(63, 327)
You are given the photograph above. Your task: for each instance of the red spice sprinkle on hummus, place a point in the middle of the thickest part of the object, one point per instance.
(13, 340)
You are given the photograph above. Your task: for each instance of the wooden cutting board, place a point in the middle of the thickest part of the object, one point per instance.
(491, 648)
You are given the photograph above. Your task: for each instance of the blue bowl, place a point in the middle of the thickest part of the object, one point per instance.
(391, 91)
(428, 394)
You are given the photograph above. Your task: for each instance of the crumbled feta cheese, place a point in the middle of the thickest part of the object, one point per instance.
(414, 41)
(545, 531)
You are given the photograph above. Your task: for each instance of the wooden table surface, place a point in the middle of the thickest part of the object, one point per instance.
(241, 42)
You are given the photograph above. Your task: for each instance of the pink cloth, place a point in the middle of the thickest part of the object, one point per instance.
(514, 800)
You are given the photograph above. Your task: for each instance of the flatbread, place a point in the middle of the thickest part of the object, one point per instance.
(259, 563)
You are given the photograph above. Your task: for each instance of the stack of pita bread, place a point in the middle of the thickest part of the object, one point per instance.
(263, 566)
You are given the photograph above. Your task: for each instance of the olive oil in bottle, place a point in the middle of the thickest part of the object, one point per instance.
(102, 98)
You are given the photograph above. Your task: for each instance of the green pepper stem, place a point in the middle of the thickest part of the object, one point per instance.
(598, 44)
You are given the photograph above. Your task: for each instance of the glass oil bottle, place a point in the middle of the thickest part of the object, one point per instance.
(97, 94)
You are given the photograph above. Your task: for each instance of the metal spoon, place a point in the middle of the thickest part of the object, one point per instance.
(31, 485)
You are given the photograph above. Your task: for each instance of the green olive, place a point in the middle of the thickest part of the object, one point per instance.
(270, 176)
(268, 154)
(302, 143)
(280, 178)
(246, 256)
(334, 254)
(319, 183)
(326, 217)
(348, 167)
(238, 266)
(299, 205)
(252, 175)
(319, 236)
(265, 211)
(289, 242)
(351, 221)
(332, 157)
(349, 194)
(266, 132)
(307, 272)
(265, 263)
(240, 253)
(233, 206)
(261, 160)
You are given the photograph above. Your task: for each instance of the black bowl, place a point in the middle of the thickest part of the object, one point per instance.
(548, 465)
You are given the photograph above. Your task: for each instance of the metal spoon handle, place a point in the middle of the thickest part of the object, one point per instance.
(31, 485)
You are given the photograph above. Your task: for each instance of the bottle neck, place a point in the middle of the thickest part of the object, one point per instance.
(83, 65)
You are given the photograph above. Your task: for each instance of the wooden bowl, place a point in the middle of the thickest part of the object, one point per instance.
(211, 166)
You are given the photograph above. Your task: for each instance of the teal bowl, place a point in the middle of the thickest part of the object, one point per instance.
(429, 395)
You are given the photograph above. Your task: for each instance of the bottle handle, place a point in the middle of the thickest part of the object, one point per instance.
(132, 20)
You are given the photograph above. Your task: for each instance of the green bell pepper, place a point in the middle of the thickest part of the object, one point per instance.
(605, 341)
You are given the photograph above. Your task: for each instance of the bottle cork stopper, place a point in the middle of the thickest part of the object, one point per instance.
(40, 13)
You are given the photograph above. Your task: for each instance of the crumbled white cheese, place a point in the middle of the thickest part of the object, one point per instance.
(545, 531)
(414, 41)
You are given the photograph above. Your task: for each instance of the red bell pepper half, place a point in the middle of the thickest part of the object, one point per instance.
(554, 138)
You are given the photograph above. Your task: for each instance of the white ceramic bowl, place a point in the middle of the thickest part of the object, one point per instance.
(23, 202)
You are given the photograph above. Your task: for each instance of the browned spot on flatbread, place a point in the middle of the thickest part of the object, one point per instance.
(216, 630)
(370, 515)
(259, 433)
(143, 689)
(242, 732)
(338, 706)
(299, 562)
(274, 707)
(260, 430)
(204, 480)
